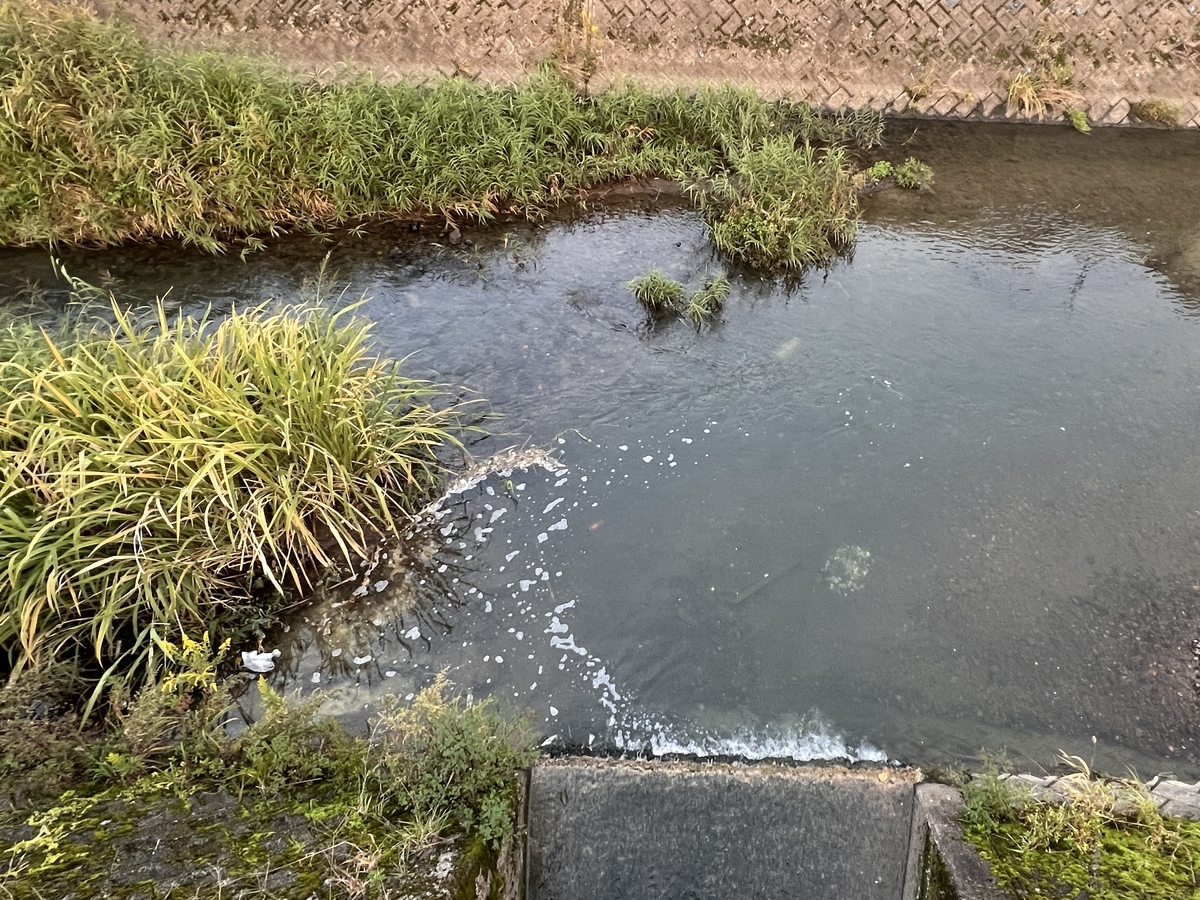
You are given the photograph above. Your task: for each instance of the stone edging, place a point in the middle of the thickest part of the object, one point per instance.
(1173, 798)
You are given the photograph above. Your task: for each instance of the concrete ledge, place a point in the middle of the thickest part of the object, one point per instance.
(941, 865)
(608, 829)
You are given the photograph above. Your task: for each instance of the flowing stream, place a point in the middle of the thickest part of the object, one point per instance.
(940, 497)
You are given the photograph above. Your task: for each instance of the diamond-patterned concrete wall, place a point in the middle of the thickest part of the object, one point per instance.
(931, 57)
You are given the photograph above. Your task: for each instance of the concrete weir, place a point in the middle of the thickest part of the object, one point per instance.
(611, 830)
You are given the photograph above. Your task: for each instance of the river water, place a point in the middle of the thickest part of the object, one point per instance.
(941, 497)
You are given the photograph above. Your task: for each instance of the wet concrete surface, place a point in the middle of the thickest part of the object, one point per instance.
(602, 830)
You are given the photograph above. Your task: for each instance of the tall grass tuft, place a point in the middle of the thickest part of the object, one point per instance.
(152, 472)
(707, 303)
(104, 139)
(782, 204)
(658, 294)
(664, 297)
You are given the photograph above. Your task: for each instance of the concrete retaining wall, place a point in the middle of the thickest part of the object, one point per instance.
(948, 58)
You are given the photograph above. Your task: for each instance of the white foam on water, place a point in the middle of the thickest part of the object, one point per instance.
(816, 740)
(568, 643)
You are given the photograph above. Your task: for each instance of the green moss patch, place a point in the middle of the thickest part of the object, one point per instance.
(1101, 839)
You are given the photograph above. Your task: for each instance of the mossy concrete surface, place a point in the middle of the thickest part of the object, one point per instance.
(213, 845)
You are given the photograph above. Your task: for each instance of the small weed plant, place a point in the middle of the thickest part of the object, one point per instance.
(43, 750)
(104, 139)
(1077, 119)
(914, 175)
(1046, 84)
(441, 756)
(877, 172)
(920, 88)
(1156, 111)
(1094, 837)
(153, 471)
(291, 748)
(911, 174)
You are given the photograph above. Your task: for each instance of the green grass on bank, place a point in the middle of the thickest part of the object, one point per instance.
(173, 474)
(1101, 838)
(104, 139)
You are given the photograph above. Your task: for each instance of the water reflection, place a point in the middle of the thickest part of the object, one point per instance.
(1012, 188)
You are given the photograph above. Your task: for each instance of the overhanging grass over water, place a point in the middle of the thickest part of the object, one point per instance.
(104, 140)
(181, 475)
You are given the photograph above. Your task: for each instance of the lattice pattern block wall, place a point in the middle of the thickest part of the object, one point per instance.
(832, 52)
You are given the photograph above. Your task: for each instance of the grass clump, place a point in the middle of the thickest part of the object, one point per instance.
(104, 139)
(660, 295)
(1077, 119)
(781, 204)
(1047, 83)
(664, 297)
(1095, 837)
(1038, 92)
(186, 474)
(707, 303)
(1156, 111)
